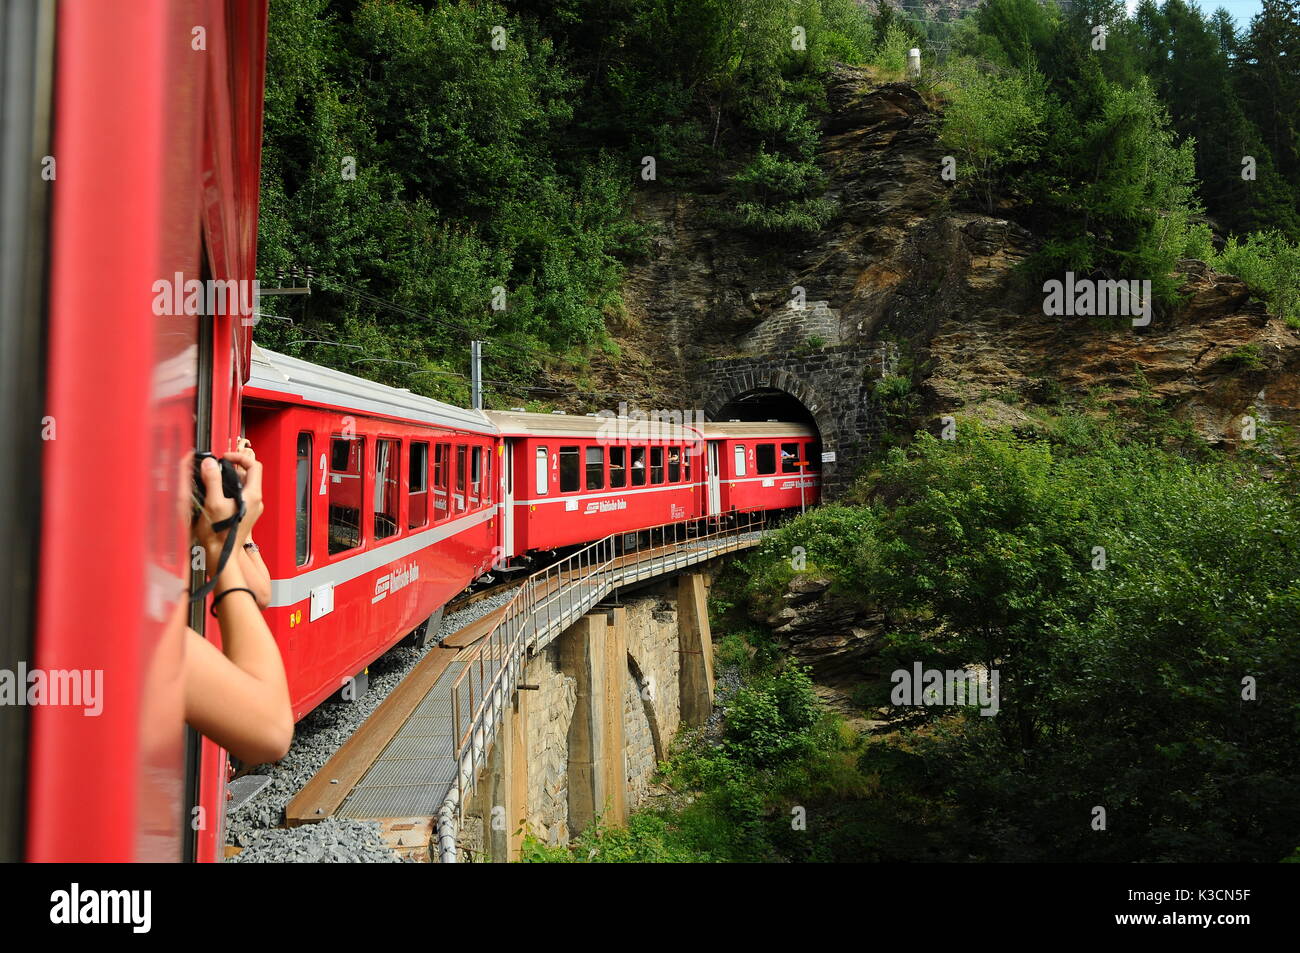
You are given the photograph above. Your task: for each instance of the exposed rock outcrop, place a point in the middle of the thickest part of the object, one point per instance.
(826, 632)
(900, 261)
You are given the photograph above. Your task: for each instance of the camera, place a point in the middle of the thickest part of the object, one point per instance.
(230, 485)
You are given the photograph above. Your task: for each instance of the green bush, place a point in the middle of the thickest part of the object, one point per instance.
(1123, 593)
(1270, 266)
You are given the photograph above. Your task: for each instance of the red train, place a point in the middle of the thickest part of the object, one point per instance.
(381, 505)
(385, 506)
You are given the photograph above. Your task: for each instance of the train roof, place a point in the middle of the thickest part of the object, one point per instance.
(305, 382)
(755, 429)
(521, 423)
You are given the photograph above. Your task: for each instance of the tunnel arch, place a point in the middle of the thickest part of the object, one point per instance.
(779, 395)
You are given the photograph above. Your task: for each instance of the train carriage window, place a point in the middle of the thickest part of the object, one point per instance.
(765, 458)
(543, 470)
(674, 464)
(487, 477)
(570, 463)
(638, 466)
(688, 454)
(790, 458)
(418, 487)
(617, 467)
(303, 497)
(459, 496)
(595, 468)
(814, 450)
(656, 464)
(346, 457)
(441, 456)
(476, 476)
(740, 460)
(388, 459)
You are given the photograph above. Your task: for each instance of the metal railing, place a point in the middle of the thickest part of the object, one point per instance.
(547, 603)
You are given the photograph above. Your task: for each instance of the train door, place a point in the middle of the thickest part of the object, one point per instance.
(714, 491)
(508, 503)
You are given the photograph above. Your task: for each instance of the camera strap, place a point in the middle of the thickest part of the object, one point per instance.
(228, 524)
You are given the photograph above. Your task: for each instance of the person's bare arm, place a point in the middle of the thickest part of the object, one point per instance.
(257, 575)
(238, 696)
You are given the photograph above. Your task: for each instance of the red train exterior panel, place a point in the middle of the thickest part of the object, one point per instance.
(378, 512)
(157, 156)
(577, 479)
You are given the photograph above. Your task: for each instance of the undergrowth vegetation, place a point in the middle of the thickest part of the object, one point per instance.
(1139, 604)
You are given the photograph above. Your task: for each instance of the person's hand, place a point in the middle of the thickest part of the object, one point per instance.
(250, 472)
(216, 507)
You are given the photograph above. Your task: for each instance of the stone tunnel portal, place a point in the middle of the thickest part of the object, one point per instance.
(767, 403)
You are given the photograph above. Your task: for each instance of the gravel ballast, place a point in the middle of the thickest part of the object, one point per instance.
(256, 825)
(332, 841)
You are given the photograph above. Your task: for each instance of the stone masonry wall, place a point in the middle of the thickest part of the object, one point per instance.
(791, 329)
(652, 644)
(834, 383)
(550, 713)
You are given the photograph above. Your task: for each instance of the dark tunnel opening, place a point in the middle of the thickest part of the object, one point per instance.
(767, 404)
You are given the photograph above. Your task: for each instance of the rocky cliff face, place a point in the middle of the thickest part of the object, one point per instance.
(902, 261)
(829, 634)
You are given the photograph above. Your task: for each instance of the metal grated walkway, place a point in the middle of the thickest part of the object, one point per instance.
(426, 766)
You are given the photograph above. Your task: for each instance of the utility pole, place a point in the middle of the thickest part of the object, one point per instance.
(476, 375)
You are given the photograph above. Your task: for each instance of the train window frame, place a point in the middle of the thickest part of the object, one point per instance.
(417, 465)
(333, 482)
(765, 459)
(642, 472)
(656, 469)
(460, 500)
(441, 482)
(303, 498)
(674, 464)
(380, 493)
(790, 464)
(617, 471)
(570, 469)
(476, 476)
(542, 471)
(738, 460)
(599, 467)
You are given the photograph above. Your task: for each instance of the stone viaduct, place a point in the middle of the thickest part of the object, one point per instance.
(594, 714)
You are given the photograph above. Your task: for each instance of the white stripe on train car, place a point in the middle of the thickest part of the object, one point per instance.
(774, 476)
(602, 494)
(288, 592)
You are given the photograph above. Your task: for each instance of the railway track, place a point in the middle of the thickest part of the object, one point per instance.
(478, 595)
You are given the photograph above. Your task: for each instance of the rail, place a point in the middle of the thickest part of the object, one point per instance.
(549, 602)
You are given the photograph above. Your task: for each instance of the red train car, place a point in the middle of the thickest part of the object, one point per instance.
(754, 465)
(575, 479)
(380, 506)
(138, 131)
